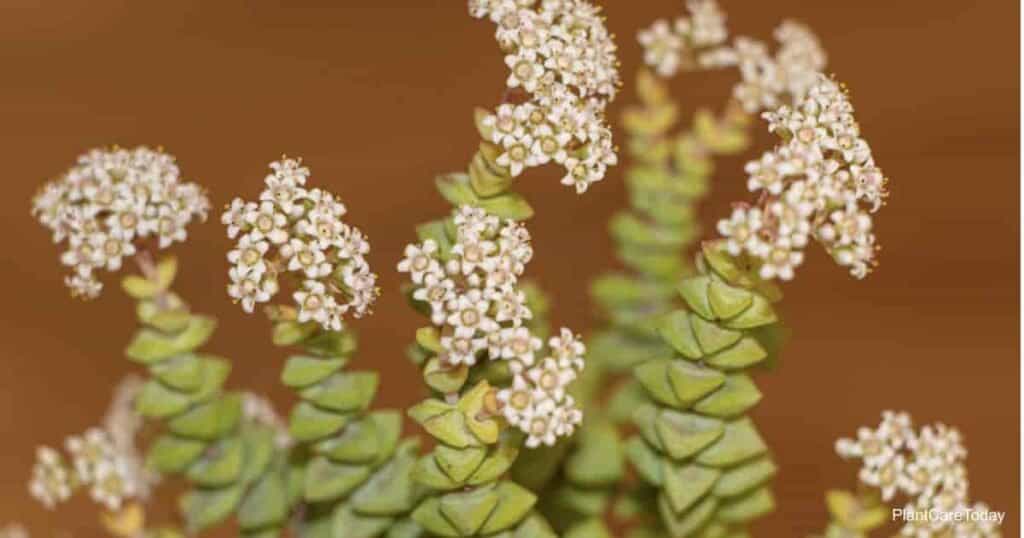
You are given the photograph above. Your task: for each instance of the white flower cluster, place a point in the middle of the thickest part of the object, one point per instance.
(766, 80)
(474, 298)
(95, 462)
(926, 466)
(297, 231)
(110, 199)
(105, 459)
(821, 182)
(561, 55)
(671, 47)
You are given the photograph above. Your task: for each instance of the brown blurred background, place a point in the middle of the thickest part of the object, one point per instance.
(377, 97)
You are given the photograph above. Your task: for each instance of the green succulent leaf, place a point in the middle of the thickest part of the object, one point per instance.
(204, 508)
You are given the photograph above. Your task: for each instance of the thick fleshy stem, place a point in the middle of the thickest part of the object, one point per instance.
(465, 472)
(354, 469)
(233, 465)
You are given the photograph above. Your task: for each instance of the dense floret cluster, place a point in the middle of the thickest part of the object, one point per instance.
(296, 232)
(562, 63)
(474, 298)
(109, 200)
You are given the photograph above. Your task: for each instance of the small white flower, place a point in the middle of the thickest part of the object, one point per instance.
(780, 259)
(462, 346)
(662, 48)
(567, 349)
(267, 222)
(250, 289)
(792, 221)
(87, 451)
(307, 258)
(290, 170)
(473, 255)
(234, 216)
(517, 344)
(248, 255)
(764, 174)
(510, 305)
(81, 253)
(469, 311)
(352, 244)
(324, 203)
(112, 483)
(548, 145)
(170, 226)
(51, 480)
(741, 231)
(84, 284)
(551, 377)
(517, 153)
(285, 191)
(507, 121)
(420, 261)
(472, 222)
(517, 401)
(314, 303)
(581, 173)
(437, 290)
(542, 427)
(525, 69)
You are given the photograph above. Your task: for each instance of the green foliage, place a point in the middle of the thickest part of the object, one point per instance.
(680, 406)
(227, 462)
(708, 461)
(352, 470)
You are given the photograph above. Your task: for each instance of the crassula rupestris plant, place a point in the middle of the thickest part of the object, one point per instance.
(640, 430)
(498, 385)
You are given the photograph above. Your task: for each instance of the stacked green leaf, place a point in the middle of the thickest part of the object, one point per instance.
(591, 472)
(668, 176)
(695, 445)
(232, 466)
(353, 470)
(464, 472)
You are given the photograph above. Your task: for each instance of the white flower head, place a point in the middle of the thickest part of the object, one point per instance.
(923, 466)
(561, 56)
(471, 287)
(810, 187)
(298, 231)
(111, 199)
(699, 41)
